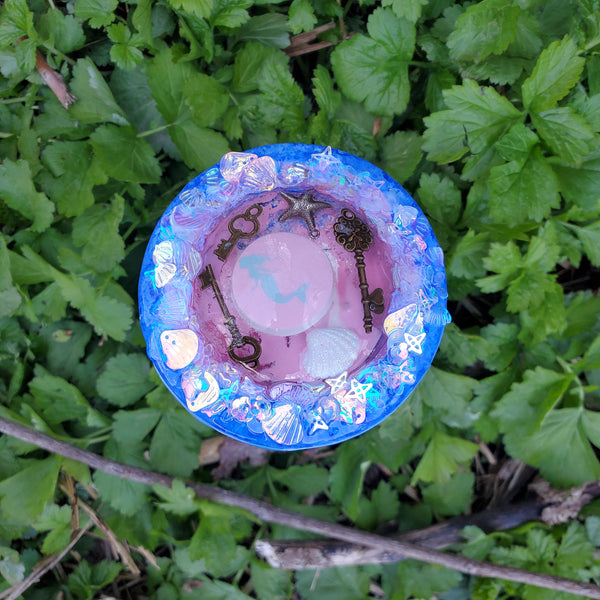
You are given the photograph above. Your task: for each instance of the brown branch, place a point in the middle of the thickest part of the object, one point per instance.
(272, 514)
(314, 554)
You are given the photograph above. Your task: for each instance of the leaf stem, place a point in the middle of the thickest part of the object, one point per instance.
(155, 130)
(58, 53)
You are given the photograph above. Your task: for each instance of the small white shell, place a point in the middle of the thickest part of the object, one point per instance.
(233, 163)
(330, 351)
(283, 425)
(163, 273)
(193, 383)
(180, 346)
(163, 252)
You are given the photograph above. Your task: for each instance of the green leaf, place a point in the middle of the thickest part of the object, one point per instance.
(347, 583)
(126, 56)
(559, 448)
(589, 235)
(10, 299)
(122, 494)
(134, 425)
(175, 426)
(64, 32)
(326, 96)
(248, 65)
(109, 316)
(401, 154)
(16, 21)
(269, 29)
(97, 230)
(566, 133)
(200, 147)
(524, 407)
(75, 172)
(406, 9)
(517, 144)
(124, 155)
(23, 496)
(444, 456)
(11, 568)
(440, 198)
(556, 72)
(200, 8)
(303, 479)
(56, 520)
(448, 394)
(56, 399)
(581, 186)
(125, 379)
(178, 499)
(230, 13)
(418, 580)
(520, 192)
(270, 583)
(485, 28)
(282, 100)
(451, 498)
(374, 69)
(347, 476)
(18, 193)
(95, 102)
(476, 119)
(207, 99)
(99, 13)
(386, 502)
(213, 541)
(301, 16)
(466, 260)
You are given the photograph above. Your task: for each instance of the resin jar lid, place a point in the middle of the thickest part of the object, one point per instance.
(292, 296)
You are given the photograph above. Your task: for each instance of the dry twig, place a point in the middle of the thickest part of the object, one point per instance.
(272, 514)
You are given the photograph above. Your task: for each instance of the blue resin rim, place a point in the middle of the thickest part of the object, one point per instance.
(294, 416)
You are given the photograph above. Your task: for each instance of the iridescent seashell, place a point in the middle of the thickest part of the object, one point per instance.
(330, 351)
(405, 216)
(180, 347)
(233, 163)
(163, 273)
(283, 424)
(400, 319)
(240, 409)
(163, 252)
(260, 174)
(200, 388)
(191, 197)
(292, 174)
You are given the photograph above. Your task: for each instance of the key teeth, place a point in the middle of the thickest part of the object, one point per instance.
(223, 250)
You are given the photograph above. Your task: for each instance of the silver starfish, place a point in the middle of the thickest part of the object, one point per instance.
(303, 206)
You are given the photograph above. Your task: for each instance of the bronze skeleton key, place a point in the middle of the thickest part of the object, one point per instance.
(207, 279)
(251, 216)
(356, 237)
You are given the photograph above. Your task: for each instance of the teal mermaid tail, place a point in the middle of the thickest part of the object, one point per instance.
(267, 281)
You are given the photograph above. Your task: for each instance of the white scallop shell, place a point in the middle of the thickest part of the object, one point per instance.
(163, 273)
(330, 351)
(180, 347)
(283, 424)
(201, 389)
(260, 174)
(233, 163)
(163, 252)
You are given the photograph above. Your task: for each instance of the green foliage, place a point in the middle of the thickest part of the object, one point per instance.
(488, 112)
